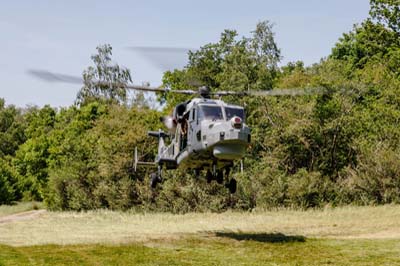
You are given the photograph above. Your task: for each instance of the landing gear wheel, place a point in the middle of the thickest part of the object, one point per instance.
(154, 180)
(227, 172)
(196, 173)
(232, 185)
(220, 177)
(209, 177)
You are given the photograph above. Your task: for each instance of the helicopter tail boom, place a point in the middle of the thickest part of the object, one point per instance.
(157, 134)
(137, 162)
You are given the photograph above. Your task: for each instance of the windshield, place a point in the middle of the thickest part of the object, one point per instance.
(233, 111)
(210, 112)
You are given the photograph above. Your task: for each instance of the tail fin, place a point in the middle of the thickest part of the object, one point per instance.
(157, 134)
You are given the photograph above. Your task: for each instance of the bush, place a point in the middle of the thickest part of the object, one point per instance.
(376, 179)
(309, 190)
(9, 191)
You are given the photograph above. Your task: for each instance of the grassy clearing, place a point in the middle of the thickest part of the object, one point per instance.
(212, 251)
(20, 207)
(341, 236)
(63, 228)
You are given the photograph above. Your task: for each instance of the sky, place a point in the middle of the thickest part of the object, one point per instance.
(60, 36)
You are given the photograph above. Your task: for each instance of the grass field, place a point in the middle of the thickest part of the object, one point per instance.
(341, 236)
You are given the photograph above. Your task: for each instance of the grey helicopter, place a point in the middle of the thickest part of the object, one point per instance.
(205, 134)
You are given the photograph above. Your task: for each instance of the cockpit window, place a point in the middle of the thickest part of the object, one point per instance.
(234, 111)
(210, 112)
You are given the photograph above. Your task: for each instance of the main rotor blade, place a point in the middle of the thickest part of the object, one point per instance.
(145, 88)
(274, 92)
(154, 49)
(289, 92)
(62, 78)
(157, 89)
(164, 58)
(54, 77)
(57, 77)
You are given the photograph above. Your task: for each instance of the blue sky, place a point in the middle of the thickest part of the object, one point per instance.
(60, 36)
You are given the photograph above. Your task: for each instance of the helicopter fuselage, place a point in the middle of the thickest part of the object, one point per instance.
(208, 133)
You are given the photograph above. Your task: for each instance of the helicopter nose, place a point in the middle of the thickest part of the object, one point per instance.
(236, 122)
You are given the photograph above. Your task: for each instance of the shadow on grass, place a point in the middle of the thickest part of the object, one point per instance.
(261, 237)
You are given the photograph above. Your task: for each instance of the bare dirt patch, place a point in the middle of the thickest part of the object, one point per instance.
(21, 216)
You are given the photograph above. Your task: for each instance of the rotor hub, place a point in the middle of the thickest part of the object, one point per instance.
(204, 92)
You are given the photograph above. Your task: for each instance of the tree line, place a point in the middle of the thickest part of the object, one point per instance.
(340, 147)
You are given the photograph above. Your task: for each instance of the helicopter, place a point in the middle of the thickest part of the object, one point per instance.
(205, 133)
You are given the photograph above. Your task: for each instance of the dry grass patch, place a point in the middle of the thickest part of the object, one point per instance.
(6, 210)
(382, 222)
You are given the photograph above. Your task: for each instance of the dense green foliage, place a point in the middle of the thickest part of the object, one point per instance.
(340, 147)
(388, 12)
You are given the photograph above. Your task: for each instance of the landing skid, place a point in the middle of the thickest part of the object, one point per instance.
(218, 176)
(155, 178)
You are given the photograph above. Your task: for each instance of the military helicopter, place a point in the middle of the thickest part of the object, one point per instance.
(205, 134)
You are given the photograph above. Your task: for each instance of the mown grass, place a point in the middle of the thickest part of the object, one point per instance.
(20, 207)
(109, 227)
(339, 236)
(223, 250)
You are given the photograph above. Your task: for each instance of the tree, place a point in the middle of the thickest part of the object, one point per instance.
(8, 184)
(368, 42)
(230, 64)
(91, 153)
(388, 12)
(31, 159)
(264, 46)
(105, 81)
(12, 126)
